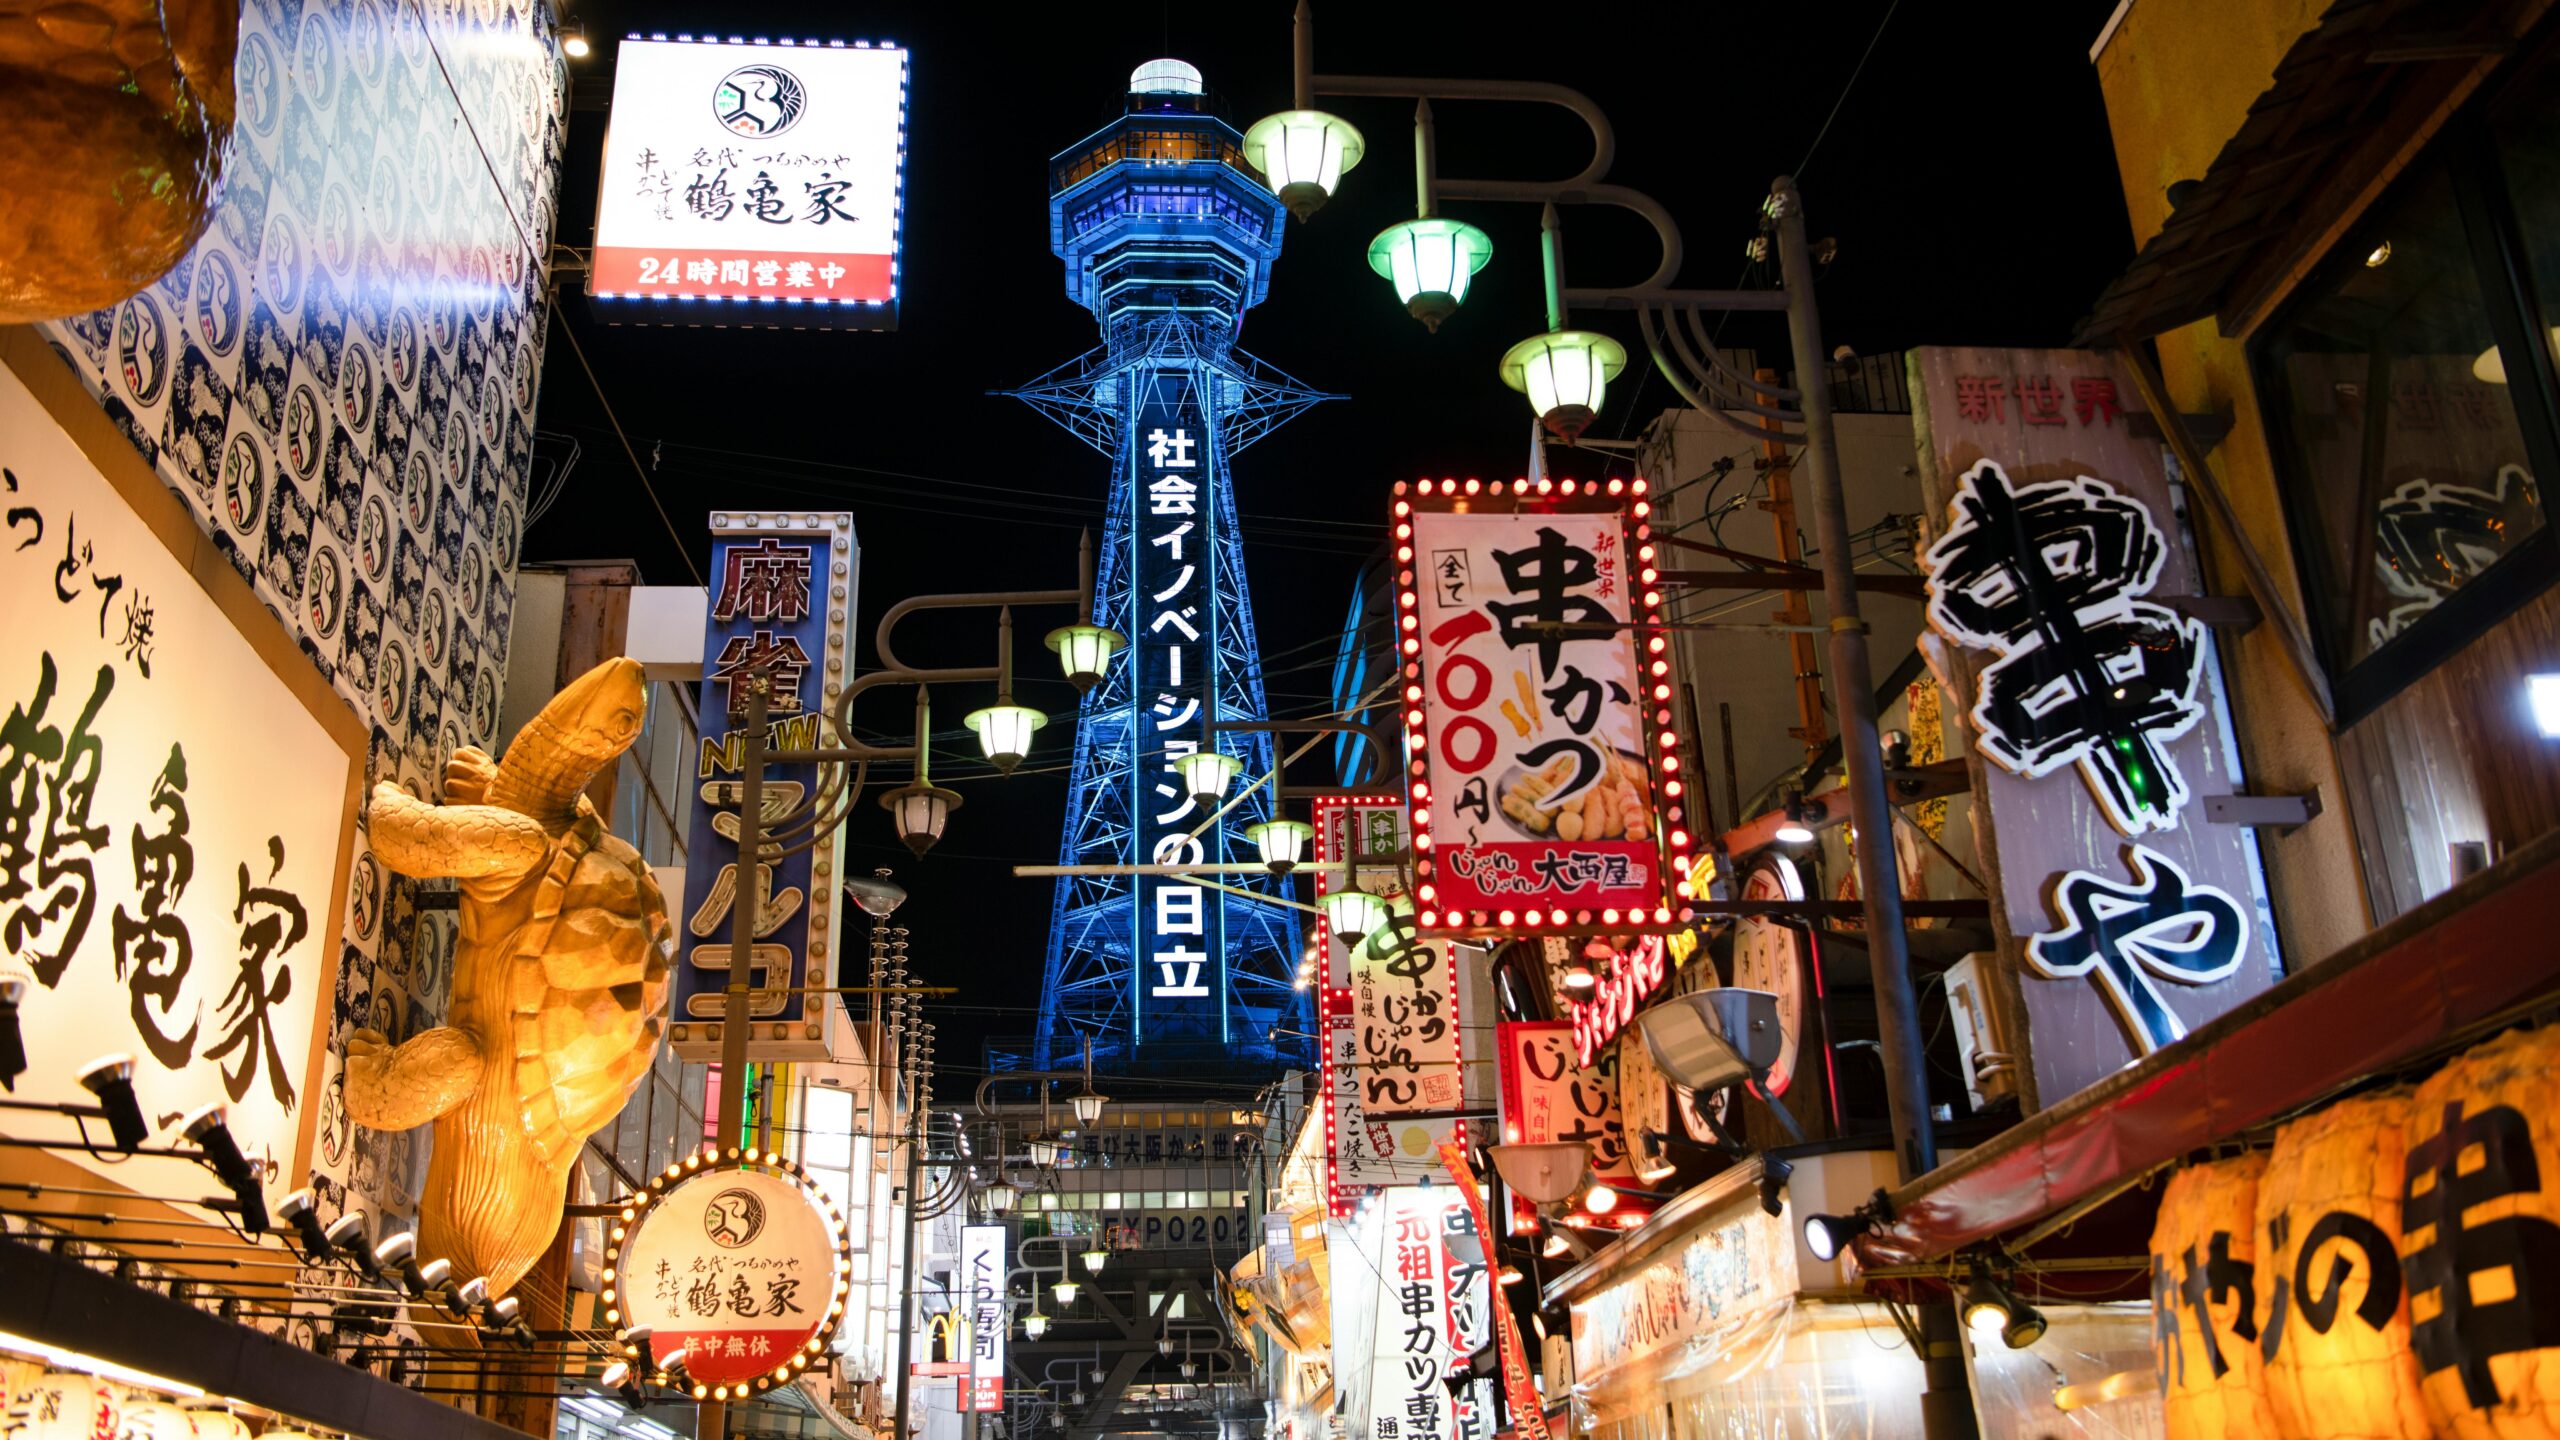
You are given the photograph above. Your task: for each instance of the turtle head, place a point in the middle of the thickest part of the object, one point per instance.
(582, 730)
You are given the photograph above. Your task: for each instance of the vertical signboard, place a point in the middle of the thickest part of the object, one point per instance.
(982, 1283)
(1180, 980)
(781, 593)
(2098, 730)
(1519, 1392)
(1548, 1097)
(765, 174)
(176, 788)
(1391, 1024)
(1548, 795)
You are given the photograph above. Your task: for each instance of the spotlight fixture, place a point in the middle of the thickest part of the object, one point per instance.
(110, 1078)
(617, 1378)
(346, 1236)
(1600, 1199)
(573, 42)
(635, 1341)
(211, 1135)
(1991, 1308)
(1827, 1235)
(13, 1045)
(1797, 829)
(1774, 1171)
(397, 1252)
(301, 1210)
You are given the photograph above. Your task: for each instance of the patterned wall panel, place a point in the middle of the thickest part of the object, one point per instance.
(340, 382)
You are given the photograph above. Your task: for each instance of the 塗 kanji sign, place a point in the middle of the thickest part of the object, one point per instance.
(1546, 785)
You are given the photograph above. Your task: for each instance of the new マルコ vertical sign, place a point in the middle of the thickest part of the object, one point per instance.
(173, 821)
(781, 592)
(770, 174)
(982, 1289)
(1181, 947)
(1537, 803)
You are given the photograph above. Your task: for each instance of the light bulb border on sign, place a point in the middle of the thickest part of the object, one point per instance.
(710, 1159)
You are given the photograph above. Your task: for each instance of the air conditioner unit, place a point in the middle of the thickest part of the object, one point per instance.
(1982, 1042)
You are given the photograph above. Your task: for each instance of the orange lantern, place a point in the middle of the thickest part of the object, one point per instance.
(2480, 1239)
(2331, 1306)
(2204, 1302)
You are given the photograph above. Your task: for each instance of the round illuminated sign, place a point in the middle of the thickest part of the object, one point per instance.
(741, 1265)
(759, 101)
(1767, 955)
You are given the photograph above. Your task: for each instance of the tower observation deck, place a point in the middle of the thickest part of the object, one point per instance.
(1168, 236)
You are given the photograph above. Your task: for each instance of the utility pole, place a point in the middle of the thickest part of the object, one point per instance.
(1946, 1405)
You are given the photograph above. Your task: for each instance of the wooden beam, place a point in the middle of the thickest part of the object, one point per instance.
(2291, 638)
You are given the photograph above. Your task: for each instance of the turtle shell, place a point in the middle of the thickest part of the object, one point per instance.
(588, 987)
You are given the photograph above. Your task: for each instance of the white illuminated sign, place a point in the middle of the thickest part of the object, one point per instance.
(982, 1283)
(762, 173)
(173, 824)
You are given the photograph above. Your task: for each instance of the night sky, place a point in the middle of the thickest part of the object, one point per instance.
(1968, 178)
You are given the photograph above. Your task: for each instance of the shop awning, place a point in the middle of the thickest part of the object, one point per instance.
(2349, 104)
(2445, 973)
(62, 1302)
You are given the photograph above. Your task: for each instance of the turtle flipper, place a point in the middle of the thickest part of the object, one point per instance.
(400, 1088)
(467, 841)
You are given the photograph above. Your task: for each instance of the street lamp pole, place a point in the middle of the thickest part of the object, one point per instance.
(1682, 346)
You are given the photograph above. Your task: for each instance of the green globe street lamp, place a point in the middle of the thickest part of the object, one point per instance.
(1282, 843)
(1004, 732)
(1353, 913)
(1207, 773)
(1303, 154)
(1430, 262)
(1084, 652)
(1566, 374)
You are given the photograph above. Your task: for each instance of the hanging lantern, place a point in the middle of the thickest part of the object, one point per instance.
(1065, 1290)
(65, 1405)
(1430, 262)
(1353, 913)
(2207, 1210)
(1566, 375)
(920, 810)
(2479, 1211)
(1303, 154)
(1084, 652)
(2333, 1186)
(1035, 1325)
(212, 1424)
(1094, 1260)
(1282, 843)
(1207, 773)
(156, 1420)
(1004, 732)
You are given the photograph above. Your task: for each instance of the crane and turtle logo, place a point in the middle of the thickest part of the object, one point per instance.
(759, 101)
(733, 1218)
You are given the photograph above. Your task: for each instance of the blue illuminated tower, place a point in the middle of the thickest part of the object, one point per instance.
(1168, 238)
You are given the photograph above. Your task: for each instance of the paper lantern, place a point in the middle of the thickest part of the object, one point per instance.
(2480, 1239)
(220, 1425)
(65, 1405)
(2328, 1226)
(2204, 1302)
(156, 1420)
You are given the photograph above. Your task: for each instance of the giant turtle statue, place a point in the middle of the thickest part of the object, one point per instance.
(115, 121)
(559, 983)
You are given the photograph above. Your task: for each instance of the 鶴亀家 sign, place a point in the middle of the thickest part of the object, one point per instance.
(176, 790)
(741, 1268)
(781, 590)
(765, 174)
(1546, 790)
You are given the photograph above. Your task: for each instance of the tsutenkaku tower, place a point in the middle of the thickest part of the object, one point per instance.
(1168, 238)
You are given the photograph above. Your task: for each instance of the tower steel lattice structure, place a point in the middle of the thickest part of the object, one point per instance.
(1168, 238)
